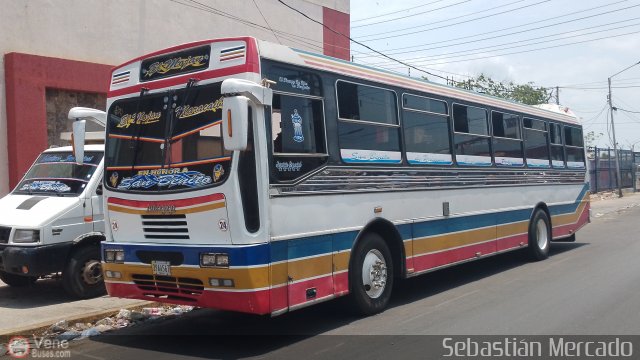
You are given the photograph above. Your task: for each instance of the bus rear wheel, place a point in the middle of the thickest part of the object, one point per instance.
(371, 275)
(17, 280)
(539, 236)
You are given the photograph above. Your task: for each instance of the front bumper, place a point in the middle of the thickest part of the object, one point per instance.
(36, 260)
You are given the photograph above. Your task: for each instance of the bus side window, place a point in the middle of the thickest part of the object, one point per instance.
(507, 139)
(574, 145)
(472, 141)
(557, 149)
(297, 125)
(425, 124)
(536, 143)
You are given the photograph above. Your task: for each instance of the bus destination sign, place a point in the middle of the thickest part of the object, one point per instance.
(177, 63)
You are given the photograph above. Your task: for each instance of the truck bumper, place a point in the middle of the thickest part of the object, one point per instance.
(34, 261)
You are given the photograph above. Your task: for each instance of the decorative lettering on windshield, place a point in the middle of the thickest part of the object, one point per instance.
(165, 178)
(46, 185)
(58, 158)
(140, 118)
(187, 111)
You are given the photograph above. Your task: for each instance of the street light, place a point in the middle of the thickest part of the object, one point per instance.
(613, 130)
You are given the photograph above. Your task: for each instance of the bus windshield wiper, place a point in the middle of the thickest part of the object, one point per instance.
(172, 125)
(136, 139)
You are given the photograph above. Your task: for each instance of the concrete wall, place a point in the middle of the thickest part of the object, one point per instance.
(114, 31)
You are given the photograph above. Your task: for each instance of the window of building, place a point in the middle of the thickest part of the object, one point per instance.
(426, 131)
(536, 143)
(507, 139)
(471, 139)
(368, 129)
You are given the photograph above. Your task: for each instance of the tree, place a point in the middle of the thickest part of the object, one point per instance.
(523, 93)
(591, 138)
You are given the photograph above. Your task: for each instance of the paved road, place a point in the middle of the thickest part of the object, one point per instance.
(587, 287)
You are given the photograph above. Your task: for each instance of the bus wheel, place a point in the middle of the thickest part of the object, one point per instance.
(82, 276)
(371, 275)
(17, 280)
(539, 236)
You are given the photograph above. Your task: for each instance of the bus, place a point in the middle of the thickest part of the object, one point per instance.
(248, 176)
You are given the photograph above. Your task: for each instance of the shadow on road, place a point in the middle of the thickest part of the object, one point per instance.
(210, 333)
(43, 292)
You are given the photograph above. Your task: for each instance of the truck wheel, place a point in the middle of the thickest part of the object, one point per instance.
(539, 236)
(17, 280)
(82, 276)
(371, 275)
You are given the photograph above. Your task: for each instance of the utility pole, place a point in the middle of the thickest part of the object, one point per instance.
(615, 144)
(613, 130)
(557, 95)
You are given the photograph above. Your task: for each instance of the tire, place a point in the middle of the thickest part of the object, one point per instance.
(539, 236)
(82, 276)
(371, 275)
(15, 280)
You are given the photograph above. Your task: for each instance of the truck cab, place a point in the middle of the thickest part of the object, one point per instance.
(53, 222)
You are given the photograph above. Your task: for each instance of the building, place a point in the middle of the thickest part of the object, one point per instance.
(59, 54)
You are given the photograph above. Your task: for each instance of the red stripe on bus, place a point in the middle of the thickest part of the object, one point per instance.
(176, 203)
(430, 261)
(512, 242)
(566, 230)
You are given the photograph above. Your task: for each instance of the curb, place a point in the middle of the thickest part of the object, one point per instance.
(92, 316)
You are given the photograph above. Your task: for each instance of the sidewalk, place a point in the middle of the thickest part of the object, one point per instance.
(607, 203)
(46, 303)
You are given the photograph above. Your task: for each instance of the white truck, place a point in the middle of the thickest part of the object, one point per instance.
(53, 222)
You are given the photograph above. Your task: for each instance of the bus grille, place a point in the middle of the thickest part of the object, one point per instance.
(165, 227)
(169, 287)
(4, 234)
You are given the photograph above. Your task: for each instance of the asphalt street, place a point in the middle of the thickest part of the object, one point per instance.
(588, 287)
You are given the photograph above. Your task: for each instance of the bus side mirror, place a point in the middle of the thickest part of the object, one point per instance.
(235, 122)
(77, 140)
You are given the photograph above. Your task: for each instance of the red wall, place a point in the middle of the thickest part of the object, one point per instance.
(334, 44)
(27, 77)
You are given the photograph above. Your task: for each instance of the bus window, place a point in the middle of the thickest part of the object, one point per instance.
(574, 146)
(535, 143)
(426, 131)
(368, 127)
(507, 139)
(557, 150)
(472, 141)
(297, 125)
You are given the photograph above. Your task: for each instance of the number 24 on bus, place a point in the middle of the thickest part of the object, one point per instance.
(249, 176)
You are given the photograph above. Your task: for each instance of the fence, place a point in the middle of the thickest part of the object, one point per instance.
(602, 168)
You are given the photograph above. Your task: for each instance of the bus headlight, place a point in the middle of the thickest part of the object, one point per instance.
(113, 255)
(22, 236)
(214, 260)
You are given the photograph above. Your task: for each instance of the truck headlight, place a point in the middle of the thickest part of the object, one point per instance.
(23, 236)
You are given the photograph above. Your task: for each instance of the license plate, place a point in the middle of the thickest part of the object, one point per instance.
(161, 268)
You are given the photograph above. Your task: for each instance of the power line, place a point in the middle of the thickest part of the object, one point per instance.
(447, 25)
(497, 47)
(395, 12)
(412, 15)
(266, 22)
(357, 42)
(518, 26)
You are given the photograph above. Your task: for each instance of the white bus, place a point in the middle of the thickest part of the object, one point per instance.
(249, 176)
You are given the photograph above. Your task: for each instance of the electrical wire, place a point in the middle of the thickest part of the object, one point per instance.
(412, 15)
(396, 12)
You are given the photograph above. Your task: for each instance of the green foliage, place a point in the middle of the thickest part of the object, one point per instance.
(523, 93)
(591, 138)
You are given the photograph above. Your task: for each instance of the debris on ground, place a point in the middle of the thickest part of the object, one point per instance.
(605, 195)
(124, 318)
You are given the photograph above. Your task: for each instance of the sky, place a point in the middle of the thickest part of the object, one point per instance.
(573, 44)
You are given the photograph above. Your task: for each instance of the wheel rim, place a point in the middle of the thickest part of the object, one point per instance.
(541, 231)
(374, 273)
(91, 272)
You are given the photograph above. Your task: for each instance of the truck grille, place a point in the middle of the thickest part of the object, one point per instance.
(165, 227)
(5, 232)
(169, 287)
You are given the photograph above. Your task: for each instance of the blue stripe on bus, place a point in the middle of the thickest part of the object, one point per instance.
(284, 250)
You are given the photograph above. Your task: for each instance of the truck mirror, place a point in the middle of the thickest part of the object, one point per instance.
(99, 189)
(235, 122)
(77, 140)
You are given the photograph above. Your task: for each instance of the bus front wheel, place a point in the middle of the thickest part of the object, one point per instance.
(371, 275)
(539, 235)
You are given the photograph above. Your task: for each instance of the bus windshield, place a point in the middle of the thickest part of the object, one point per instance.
(167, 141)
(56, 173)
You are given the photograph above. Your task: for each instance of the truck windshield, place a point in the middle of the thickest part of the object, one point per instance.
(167, 141)
(56, 173)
